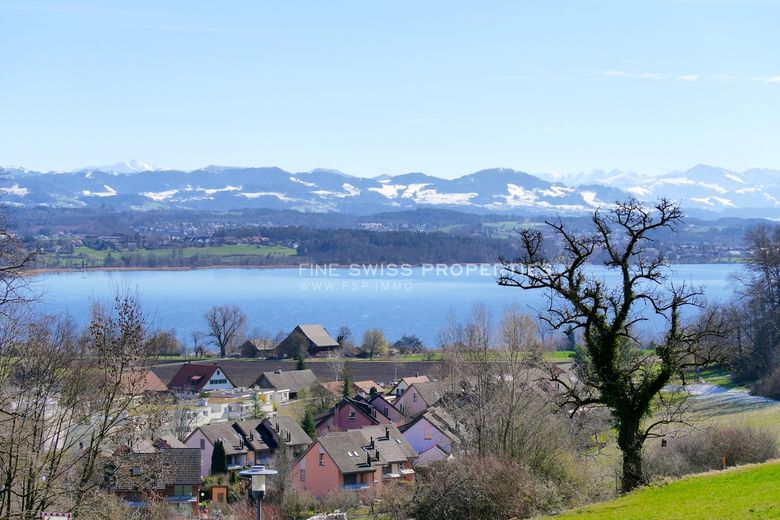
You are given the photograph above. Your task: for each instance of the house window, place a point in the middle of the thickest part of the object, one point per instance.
(350, 479)
(303, 475)
(351, 415)
(218, 381)
(322, 459)
(182, 491)
(427, 434)
(203, 444)
(414, 397)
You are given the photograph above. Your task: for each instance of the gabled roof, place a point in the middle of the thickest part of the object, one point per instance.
(440, 419)
(334, 387)
(287, 429)
(317, 334)
(352, 450)
(260, 344)
(134, 471)
(409, 381)
(232, 440)
(360, 405)
(293, 380)
(141, 381)
(366, 386)
(194, 376)
(430, 392)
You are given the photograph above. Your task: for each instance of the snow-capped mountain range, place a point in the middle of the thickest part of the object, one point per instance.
(703, 190)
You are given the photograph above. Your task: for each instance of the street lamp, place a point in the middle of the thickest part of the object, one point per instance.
(257, 474)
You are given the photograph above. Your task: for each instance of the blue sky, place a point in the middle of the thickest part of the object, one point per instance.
(371, 87)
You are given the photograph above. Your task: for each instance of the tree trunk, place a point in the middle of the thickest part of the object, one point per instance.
(630, 442)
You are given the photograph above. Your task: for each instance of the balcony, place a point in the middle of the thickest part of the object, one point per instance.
(358, 486)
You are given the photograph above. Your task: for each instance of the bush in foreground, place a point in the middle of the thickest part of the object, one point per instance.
(710, 449)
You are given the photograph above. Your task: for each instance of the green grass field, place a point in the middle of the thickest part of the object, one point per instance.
(189, 252)
(227, 254)
(747, 492)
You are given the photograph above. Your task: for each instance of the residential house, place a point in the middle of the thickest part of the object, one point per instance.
(239, 453)
(194, 378)
(294, 381)
(142, 382)
(404, 383)
(364, 387)
(258, 348)
(269, 435)
(307, 340)
(248, 442)
(149, 471)
(355, 460)
(349, 414)
(381, 403)
(418, 397)
(358, 387)
(434, 428)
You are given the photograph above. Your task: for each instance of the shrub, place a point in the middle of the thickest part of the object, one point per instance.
(474, 488)
(709, 450)
(769, 386)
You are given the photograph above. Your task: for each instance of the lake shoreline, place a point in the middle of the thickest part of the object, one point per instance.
(173, 268)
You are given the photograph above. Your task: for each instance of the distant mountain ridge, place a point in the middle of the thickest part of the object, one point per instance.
(703, 190)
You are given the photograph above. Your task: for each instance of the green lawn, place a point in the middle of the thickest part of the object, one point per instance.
(189, 252)
(748, 492)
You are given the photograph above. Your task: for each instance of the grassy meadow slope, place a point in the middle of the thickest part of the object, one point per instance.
(746, 492)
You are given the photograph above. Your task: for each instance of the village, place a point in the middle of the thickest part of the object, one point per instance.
(339, 441)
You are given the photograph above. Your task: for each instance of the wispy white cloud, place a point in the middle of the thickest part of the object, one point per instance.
(634, 75)
(773, 79)
(657, 76)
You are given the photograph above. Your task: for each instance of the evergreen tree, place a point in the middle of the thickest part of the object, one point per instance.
(218, 459)
(301, 363)
(308, 423)
(347, 377)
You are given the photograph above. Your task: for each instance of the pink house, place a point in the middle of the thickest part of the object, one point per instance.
(349, 414)
(386, 408)
(356, 460)
(418, 398)
(434, 428)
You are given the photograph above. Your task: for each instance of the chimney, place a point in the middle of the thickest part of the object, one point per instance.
(372, 443)
(289, 436)
(368, 458)
(377, 455)
(277, 426)
(278, 371)
(387, 433)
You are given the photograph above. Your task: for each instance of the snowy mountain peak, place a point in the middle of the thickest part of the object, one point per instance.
(131, 166)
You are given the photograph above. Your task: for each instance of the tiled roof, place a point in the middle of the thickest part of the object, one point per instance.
(224, 431)
(131, 471)
(193, 376)
(287, 429)
(294, 380)
(318, 335)
(430, 391)
(352, 449)
(440, 419)
(410, 381)
(366, 386)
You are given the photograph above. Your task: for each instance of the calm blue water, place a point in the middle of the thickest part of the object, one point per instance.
(415, 301)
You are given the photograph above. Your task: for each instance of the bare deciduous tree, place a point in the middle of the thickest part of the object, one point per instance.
(618, 374)
(226, 325)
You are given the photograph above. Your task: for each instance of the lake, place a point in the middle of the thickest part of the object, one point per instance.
(399, 301)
